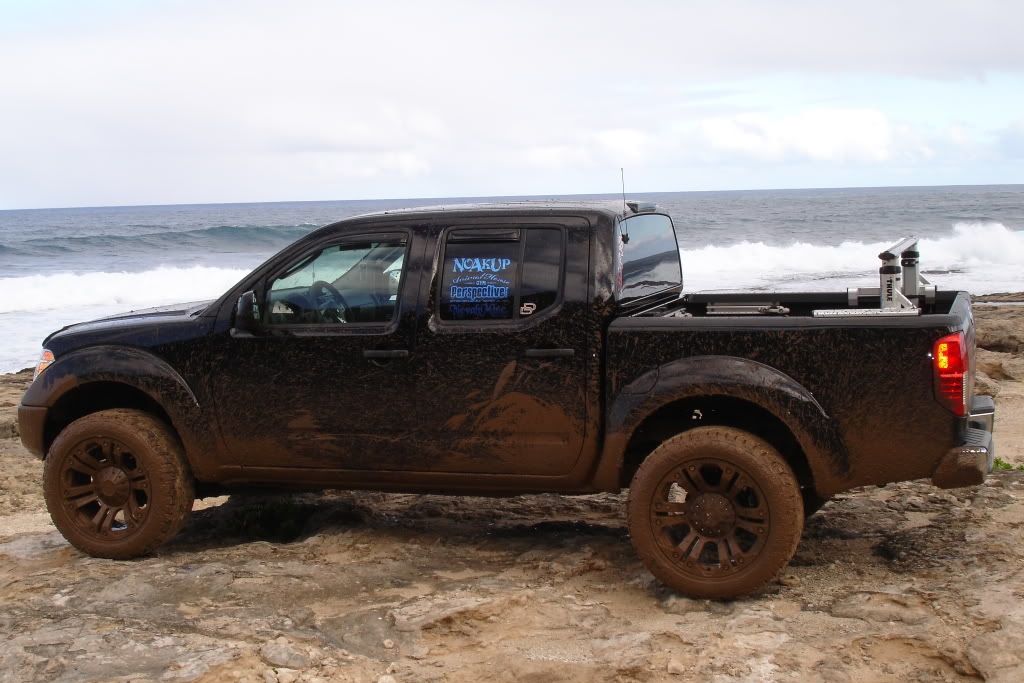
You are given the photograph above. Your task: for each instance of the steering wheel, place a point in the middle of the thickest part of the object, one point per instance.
(329, 301)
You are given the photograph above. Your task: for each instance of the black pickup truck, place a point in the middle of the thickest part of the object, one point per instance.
(504, 349)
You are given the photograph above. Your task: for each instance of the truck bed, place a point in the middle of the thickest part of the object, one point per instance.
(796, 304)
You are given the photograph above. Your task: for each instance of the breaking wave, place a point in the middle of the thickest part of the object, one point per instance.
(981, 257)
(33, 306)
(76, 291)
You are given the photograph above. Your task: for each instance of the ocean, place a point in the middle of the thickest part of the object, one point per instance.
(59, 266)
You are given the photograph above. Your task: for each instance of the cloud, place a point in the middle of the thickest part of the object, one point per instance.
(593, 148)
(625, 144)
(1010, 141)
(834, 136)
(355, 165)
(198, 101)
(555, 156)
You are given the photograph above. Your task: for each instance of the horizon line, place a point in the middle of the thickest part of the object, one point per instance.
(509, 196)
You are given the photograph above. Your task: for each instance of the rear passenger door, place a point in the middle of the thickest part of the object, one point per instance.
(503, 350)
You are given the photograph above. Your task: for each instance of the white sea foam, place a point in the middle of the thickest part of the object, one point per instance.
(59, 291)
(980, 257)
(33, 306)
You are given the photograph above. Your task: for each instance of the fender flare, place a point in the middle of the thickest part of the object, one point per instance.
(135, 368)
(731, 377)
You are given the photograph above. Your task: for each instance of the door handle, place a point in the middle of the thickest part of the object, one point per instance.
(550, 353)
(385, 353)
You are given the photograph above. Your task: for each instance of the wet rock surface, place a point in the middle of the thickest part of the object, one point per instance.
(899, 583)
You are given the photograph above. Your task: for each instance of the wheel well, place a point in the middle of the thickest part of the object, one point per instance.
(92, 398)
(724, 411)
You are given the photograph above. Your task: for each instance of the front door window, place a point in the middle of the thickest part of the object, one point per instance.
(338, 285)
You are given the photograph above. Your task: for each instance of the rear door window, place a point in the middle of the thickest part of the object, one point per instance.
(500, 274)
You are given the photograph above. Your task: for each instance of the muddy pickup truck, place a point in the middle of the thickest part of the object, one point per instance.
(514, 348)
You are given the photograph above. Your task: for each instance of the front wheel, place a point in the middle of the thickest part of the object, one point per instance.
(715, 512)
(117, 484)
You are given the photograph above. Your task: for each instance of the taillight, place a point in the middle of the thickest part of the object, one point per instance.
(950, 363)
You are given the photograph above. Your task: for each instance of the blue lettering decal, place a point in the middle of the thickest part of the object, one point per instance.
(458, 293)
(480, 265)
(479, 311)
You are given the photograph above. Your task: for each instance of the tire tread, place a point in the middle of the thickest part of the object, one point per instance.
(788, 509)
(168, 469)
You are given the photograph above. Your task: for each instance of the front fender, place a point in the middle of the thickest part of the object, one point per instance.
(134, 368)
(125, 365)
(739, 378)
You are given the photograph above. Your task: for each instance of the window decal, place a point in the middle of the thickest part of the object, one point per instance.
(479, 280)
(480, 265)
(496, 278)
(482, 291)
(485, 295)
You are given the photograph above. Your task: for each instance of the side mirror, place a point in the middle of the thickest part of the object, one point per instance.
(247, 313)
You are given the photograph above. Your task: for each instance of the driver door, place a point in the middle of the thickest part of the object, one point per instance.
(331, 356)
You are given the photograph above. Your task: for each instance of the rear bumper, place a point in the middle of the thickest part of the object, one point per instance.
(31, 420)
(968, 464)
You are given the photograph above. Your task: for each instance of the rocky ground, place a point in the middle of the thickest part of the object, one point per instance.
(901, 583)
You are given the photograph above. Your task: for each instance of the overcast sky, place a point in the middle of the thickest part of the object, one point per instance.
(154, 102)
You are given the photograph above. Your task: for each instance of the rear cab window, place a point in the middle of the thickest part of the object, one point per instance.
(647, 257)
(500, 274)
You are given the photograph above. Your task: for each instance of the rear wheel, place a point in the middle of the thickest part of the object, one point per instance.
(117, 484)
(715, 512)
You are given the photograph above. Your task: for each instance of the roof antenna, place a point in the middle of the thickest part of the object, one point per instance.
(622, 174)
(625, 235)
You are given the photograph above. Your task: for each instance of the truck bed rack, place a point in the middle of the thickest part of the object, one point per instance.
(902, 291)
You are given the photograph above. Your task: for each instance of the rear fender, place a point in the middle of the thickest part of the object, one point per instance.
(726, 376)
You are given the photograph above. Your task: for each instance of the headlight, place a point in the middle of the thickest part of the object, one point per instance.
(45, 358)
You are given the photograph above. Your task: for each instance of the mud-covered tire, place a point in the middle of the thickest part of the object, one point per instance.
(117, 484)
(715, 512)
